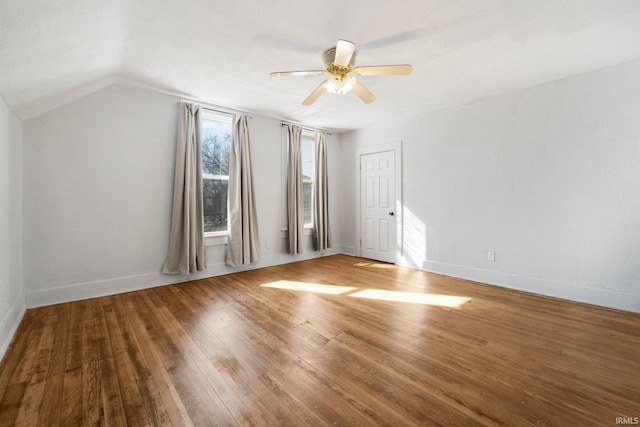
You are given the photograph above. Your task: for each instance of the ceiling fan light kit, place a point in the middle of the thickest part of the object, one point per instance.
(339, 84)
(339, 62)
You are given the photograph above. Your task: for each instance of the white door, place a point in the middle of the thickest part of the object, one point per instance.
(377, 204)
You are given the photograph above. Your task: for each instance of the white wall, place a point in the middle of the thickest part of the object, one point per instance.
(548, 178)
(12, 303)
(98, 176)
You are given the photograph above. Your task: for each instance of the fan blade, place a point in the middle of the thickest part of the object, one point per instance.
(363, 93)
(315, 94)
(384, 70)
(297, 73)
(344, 52)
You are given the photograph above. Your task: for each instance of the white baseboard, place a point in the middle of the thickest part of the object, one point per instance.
(98, 288)
(9, 323)
(601, 297)
(93, 289)
(117, 285)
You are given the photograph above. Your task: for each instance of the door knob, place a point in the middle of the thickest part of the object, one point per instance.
(391, 213)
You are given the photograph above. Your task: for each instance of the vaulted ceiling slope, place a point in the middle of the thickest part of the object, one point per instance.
(52, 52)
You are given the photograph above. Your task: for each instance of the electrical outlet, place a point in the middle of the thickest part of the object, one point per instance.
(491, 256)
(267, 244)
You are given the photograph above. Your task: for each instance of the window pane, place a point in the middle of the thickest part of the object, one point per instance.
(216, 144)
(306, 152)
(215, 204)
(307, 188)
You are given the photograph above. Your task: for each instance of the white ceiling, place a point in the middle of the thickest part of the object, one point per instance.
(52, 52)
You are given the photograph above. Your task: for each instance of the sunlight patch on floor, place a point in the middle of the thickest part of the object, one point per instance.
(309, 287)
(451, 301)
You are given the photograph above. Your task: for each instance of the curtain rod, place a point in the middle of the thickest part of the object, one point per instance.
(212, 108)
(286, 123)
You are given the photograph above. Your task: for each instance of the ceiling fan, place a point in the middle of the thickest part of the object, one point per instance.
(339, 62)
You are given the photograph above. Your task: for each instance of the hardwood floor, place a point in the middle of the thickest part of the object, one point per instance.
(243, 349)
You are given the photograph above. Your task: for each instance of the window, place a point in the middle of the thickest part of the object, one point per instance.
(307, 156)
(216, 146)
(306, 150)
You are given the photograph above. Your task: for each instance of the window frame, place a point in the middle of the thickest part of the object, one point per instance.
(311, 136)
(215, 237)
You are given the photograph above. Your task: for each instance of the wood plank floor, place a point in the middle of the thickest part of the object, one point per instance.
(323, 342)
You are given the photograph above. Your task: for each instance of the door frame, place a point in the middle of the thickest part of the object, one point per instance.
(396, 147)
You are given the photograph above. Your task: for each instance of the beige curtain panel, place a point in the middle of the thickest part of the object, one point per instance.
(243, 242)
(295, 220)
(322, 231)
(186, 252)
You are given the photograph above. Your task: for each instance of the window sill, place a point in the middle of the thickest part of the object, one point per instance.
(215, 239)
(220, 238)
(308, 230)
